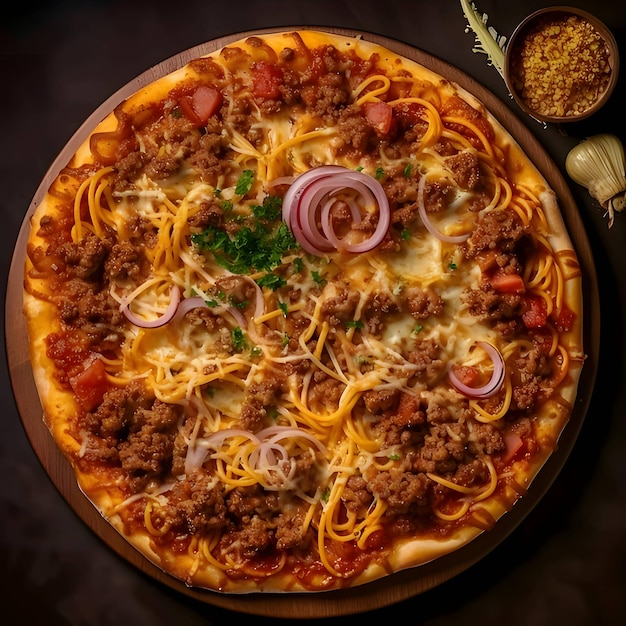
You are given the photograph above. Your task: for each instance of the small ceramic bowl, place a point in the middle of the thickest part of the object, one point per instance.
(561, 64)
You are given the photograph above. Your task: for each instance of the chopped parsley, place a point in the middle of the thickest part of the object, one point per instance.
(407, 170)
(244, 184)
(242, 304)
(324, 497)
(270, 210)
(257, 246)
(321, 281)
(358, 324)
(379, 174)
(238, 339)
(271, 281)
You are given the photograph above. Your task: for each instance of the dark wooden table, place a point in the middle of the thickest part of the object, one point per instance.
(565, 562)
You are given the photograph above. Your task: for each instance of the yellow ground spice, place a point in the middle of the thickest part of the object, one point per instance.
(561, 66)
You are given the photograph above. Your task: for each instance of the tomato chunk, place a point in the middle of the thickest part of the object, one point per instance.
(409, 413)
(379, 115)
(513, 444)
(267, 79)
(565, 319)
(90, 385)
(467, 374)
(507, 283)
(201, 104)
(206, 101)
(536, 313)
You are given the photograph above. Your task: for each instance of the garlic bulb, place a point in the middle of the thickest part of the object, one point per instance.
(598, 164)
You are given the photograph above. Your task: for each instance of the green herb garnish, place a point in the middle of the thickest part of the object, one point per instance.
(320, 280)
(271, 281)
(242, 304)
(244, 183)
(270, 210)
(250, 249)
(358, 324)
(238, 339)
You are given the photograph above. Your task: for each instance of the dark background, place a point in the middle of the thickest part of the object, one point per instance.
(566, 562)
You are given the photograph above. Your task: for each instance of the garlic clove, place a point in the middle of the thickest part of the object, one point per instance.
(598, 164)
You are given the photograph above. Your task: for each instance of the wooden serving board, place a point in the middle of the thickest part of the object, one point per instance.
(393, 588)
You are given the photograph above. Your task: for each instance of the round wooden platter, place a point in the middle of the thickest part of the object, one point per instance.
(391, 589)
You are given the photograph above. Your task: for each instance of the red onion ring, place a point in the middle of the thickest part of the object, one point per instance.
(312, 194)
(216, 439)
(187, 304)
(497, 377)
(268, 457)
(273, 434)
(281, 180)
(299, 185)
(421, 207)
(196, 456)
(163, 319)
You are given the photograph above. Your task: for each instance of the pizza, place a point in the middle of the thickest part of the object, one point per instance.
(302, 314)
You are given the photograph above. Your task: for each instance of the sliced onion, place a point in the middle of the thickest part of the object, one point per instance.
(188, 304)
(267, 456)
(158, 321)
(273, 434)
(216, 439)
(259, 300)
(497, 377)
(196, 456)
(310, 198)
(299, 185)
(281, 180)
(421, 207)
(270, 457)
